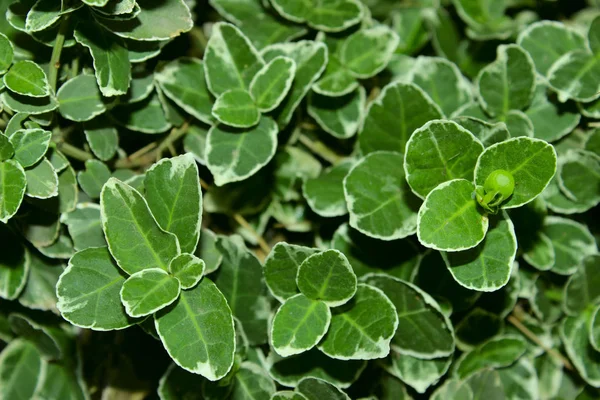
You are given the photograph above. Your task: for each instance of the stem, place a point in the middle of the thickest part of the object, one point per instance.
(73, 152)
(532, 336)
(56, 52)
(320, 149)
(261, 241)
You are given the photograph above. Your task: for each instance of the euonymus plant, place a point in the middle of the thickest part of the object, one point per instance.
(299, 199)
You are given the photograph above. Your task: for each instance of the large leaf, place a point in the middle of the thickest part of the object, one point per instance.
(79, 99)
(13, 183)
(28, 79)
(29, 105)
(134, 238)
(204, 341)
(88, 291)
(379, 199)
(30, 145)
(174, 196)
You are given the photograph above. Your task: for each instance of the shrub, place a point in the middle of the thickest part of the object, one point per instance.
(299, 199)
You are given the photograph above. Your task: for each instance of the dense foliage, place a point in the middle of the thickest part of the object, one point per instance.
(299, 199)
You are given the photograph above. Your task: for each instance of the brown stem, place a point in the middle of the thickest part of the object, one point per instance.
(261, 241)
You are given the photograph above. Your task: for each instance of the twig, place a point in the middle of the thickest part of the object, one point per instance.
(261, 241)
(320, 149)
(519, 325)
(142, 151)
(73, 152)
(56, 52)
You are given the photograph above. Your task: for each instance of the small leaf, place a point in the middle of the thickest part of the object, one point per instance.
(311, 59)
(88, 291)
(449, 219)
(236, 108)
(550, 122)
(42, 180)
(28, 79)
(579, 177)
(204, 342)
(338, 116)
(79, 99)
(11, 195)
(14, 265)
(84, 225)
(134, 238)
(330, 16)
(272, 83)
(379, 199)
(318, 389)
(325, 194)
(21, 368)
(29, 105)
(368, 51)
(188, 269)
(175, 199)
(61, 382)
(94, 177)
(6, 148)
(367, 325)
(574, 332)
(508, 83)
(145, 116)
(437, 152)
(426, 333)
(194, 142)
(327, 277)
(230, 60)
(183, 82)
(519, 124)
(148, 291)
(520, 380)
(233, 156)
(394, 115)
(495, 353)
(30, 145)
(541, 253)
(582, 288)
(575, 76)
(102, 138)
(49, 340)
(336, 81)
(487, 133)
(252, 382)
(111, 60)
(532, 163)
(7, 51)
(208, 252)
(595, 329)
(415, 372)
(40, 291)
(281, 268)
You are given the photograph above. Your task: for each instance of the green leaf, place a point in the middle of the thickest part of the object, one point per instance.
(79, 99)
(183, 82)
(299, 324)
(252, 382)
(293, 165)
(111, 59)
(394, 115)
(449, 219)
(281, 268)
(325, 194)
(49, 340)
(62, 382)
(508, 83)
(410, 25)
(272, 83)
(28, 79)
(6, 148)
(518, 124)
(572, 241)
(379, 199)
(29, 105)
(368, 51)
(438, 152)
(85, 227)
(317, 389)
(175, 199)
(188, 270)
(537, 37)
(550, 122)
(42, 180)
(486, 267)
(204, 342)
(336, 81)
(327, 277)
(233, 156)
(195, 142)
(146, 116)
(7, 51)
(520, 380)
(102, 138)
(579, 177)
(21, 369)
(495, 353)
(231, 61)
(582, 289)
(540, 254)
(247, 301)
(40, 291)
(425, 332)
(14, 265)
(208, 252)
(134, 238)
(532, 163)
(329, 16)
(30, 145)
(236, 108)
(150, 24)
(148, 291)
(94, 177)
(338, 116)
(415, 372)
(287, 395)
(311, 59)
(574, 332)
(595, 329)
(88, 291)
(487, 133)
(367, 325)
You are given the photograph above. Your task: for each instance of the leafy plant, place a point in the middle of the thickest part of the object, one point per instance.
(287, 199)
